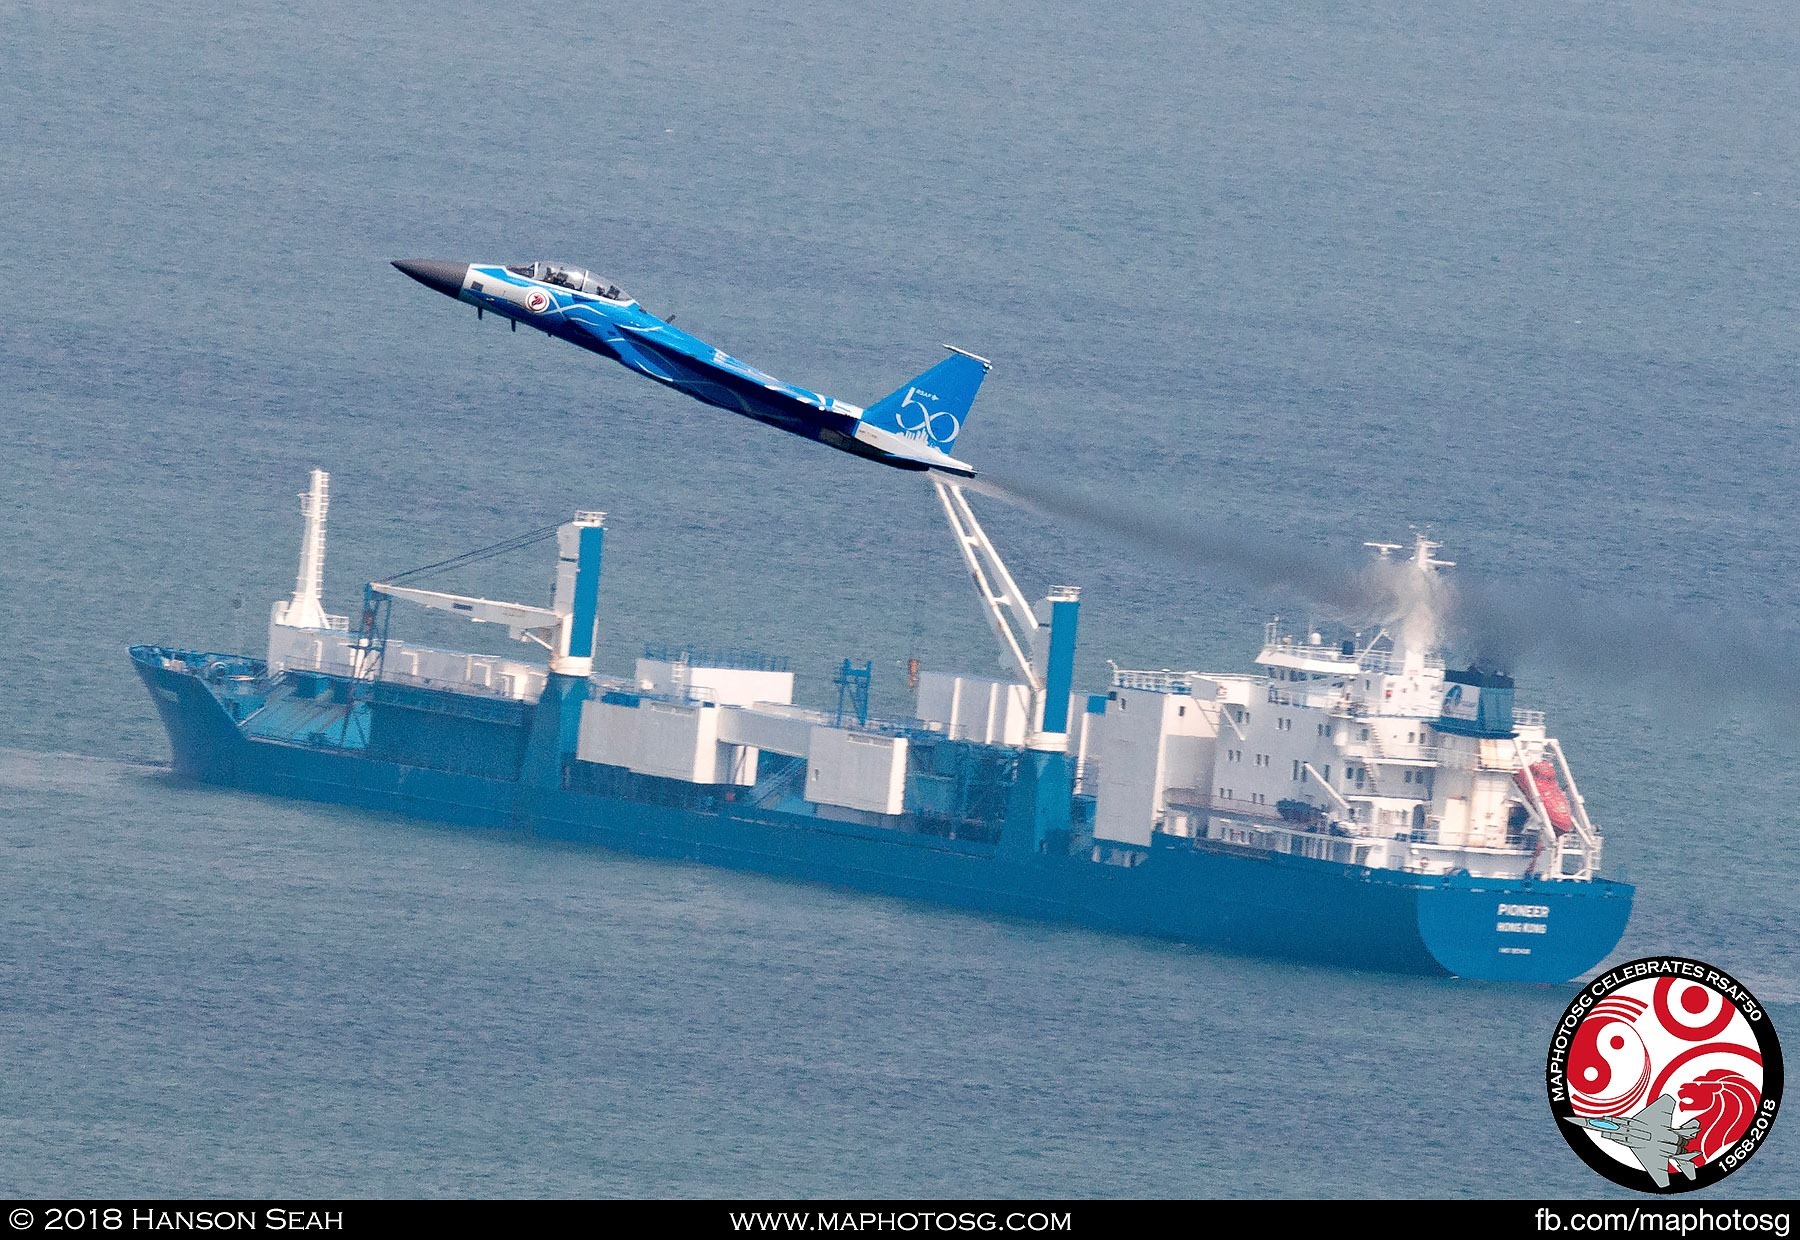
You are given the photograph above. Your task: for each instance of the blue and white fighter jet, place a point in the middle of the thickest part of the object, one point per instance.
(914, 427)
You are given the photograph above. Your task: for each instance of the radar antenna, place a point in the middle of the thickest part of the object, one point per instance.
(1422, 554)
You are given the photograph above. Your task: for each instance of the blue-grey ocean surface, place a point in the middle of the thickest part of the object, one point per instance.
(1259, 282)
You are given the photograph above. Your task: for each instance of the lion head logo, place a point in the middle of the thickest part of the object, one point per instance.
(1726, 1103)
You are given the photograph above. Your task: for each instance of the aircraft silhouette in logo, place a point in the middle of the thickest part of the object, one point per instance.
(1650, 1138)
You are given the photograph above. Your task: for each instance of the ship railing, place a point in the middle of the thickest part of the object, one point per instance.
(1420, 857)
(1508, 757)
(729, 659)
(1400, 754)
(787, 710)
(1203, 800)
(324, 664)
(786, 781)
(1317, 652)
(1194, 803)
(1323, 700)
(1164, 681)
(1530, 718)
(1244, 826)
(466, 686)
(1390, 661)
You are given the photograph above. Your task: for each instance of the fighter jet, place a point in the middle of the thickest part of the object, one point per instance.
(1649, 1137)
(914, 427)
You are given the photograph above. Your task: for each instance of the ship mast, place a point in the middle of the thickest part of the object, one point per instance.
(1419, 593)
(306, 610)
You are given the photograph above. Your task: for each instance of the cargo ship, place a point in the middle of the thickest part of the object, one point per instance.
(1351, 802)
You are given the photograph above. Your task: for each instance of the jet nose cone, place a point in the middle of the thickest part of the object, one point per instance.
(446, 278)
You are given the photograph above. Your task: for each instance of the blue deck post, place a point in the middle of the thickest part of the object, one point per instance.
(585, 620)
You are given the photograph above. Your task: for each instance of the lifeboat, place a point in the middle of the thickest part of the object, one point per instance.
(1540, 777)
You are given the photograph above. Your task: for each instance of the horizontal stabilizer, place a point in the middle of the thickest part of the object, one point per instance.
(933, 407)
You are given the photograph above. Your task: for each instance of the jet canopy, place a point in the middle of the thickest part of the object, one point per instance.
(577, 278)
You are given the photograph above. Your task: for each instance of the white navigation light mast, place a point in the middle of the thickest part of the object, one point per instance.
(306, 610)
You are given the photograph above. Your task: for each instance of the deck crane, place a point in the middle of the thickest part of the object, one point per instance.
(1038, 643)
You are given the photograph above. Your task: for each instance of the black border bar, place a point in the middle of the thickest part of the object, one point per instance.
(1658, 1217)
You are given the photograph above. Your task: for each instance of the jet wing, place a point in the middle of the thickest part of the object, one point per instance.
(663, 337)
(627, 349)
(690, 365)
(1657, 1167)
(1653, 1155)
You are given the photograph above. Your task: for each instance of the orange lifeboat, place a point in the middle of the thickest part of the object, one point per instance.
(1541, 777)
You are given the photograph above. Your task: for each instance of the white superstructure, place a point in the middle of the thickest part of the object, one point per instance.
(1362, 752)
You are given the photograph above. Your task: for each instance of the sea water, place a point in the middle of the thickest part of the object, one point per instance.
(1258, 285)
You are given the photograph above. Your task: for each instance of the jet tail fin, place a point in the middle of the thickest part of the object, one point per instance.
(933, 407)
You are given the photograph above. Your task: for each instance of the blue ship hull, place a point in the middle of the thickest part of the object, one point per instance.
(512, 770)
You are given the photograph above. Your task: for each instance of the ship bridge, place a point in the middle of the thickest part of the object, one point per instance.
(1313, 659)
(1355, 749)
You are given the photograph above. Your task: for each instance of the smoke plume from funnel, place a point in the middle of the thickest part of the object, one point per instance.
(1715, 667)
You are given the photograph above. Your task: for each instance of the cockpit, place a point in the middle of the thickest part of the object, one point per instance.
(577, 278)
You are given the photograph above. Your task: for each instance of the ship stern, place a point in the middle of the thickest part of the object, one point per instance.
(1523, 931)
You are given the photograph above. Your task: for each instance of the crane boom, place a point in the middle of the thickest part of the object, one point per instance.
(523, 622)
